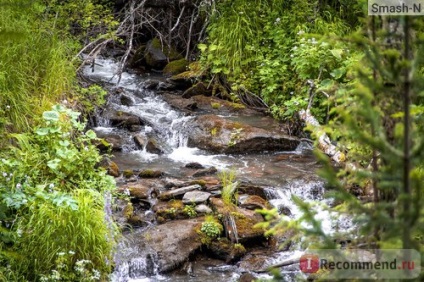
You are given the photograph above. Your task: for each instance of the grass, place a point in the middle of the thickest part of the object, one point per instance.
(53, 229)
(34, 67)
(229, 186)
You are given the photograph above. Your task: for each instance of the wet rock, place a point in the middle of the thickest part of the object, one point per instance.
(150, 84)
(137, 190)
(128, 173)
(244, 219)
(126, 100)
(252, 189)
(173, 242)
(227, 251)
(210, 132)
(122, 119)
(135, 128)
(140, 140)
(195, 197)
(254, 202)
(203, 209)
(194, 165)
(198, 89)
(204, 172)
(148, 173)
(218, 106)
(149, 143)
(173, 183)
(185, 78)
(110, 166)
(254, 262)
(175, 67)
(179, 192)
(180, 103)
(169, 210)
(154, 56)
(247, 277)
(166, 86)
(110, 141)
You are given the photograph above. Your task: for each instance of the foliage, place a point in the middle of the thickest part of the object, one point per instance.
(271, 47)
(211, 228)
(229, 186)
(53, 229)
(189, 210)
(378, 127)
(50, 175)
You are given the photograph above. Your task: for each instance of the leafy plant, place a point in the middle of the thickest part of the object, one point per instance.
(49, 184)
(189, 210)
(211, 228)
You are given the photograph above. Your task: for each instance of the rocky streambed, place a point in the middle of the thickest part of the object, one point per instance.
(170, 142)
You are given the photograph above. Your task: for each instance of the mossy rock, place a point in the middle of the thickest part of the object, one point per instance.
(175, 67)
(194, 71)
(113, 169)
(148, 173)
(227, 251)
(200, 182)
(171, 53)
(128, 173)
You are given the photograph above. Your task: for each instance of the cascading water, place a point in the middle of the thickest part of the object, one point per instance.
(284, 176)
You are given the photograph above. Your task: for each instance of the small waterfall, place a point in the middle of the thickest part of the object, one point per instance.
(311, 192)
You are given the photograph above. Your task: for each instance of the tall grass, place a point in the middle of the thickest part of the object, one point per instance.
(52, 229)
(229, 186)
(34, 67)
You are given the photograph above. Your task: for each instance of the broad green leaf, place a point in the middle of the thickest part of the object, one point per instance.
(90, 134)
(337, 53)
(53, 164)
(202, 47)
(42, 131)
(51, 115)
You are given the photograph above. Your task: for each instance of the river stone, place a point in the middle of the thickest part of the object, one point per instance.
(217, 134)
(203, 209)
(245, 220)
(122, 119)
(227, 251)
(110, 166)
(195, 197)
(154, 56)
(180, 103)
(126, 100)
(136, 190)
(194, 165)
(198, 89)
(253, 202)
(172, 242)
(204, 172)
(179, 192)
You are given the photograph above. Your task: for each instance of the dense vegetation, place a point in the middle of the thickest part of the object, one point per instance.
(54, 223)
(361, 77)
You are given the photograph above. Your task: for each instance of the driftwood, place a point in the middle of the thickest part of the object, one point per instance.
(280, 264)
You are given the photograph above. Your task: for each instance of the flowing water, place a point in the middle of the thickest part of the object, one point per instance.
(283, 174)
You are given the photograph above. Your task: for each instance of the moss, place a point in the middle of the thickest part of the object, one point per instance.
(236, 106)
(113, 169)
(128, 173)
(194, 71)
(128, 211)
(176, 67)
(176, 204)
(148, 173)
(200, 182)
(215, 105)
(171, 53)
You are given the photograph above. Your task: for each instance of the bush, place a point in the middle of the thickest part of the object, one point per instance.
(52, 198)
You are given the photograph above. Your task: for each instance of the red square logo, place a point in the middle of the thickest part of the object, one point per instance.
(309, 263)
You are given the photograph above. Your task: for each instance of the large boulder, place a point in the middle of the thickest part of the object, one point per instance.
(217, 134)
(173, 242)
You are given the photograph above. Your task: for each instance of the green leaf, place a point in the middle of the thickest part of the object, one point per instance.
(64, 143)
(51, 115)
(202, 47)
(337, 53)
(91, 134)
(42, 131)
(53, 164)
